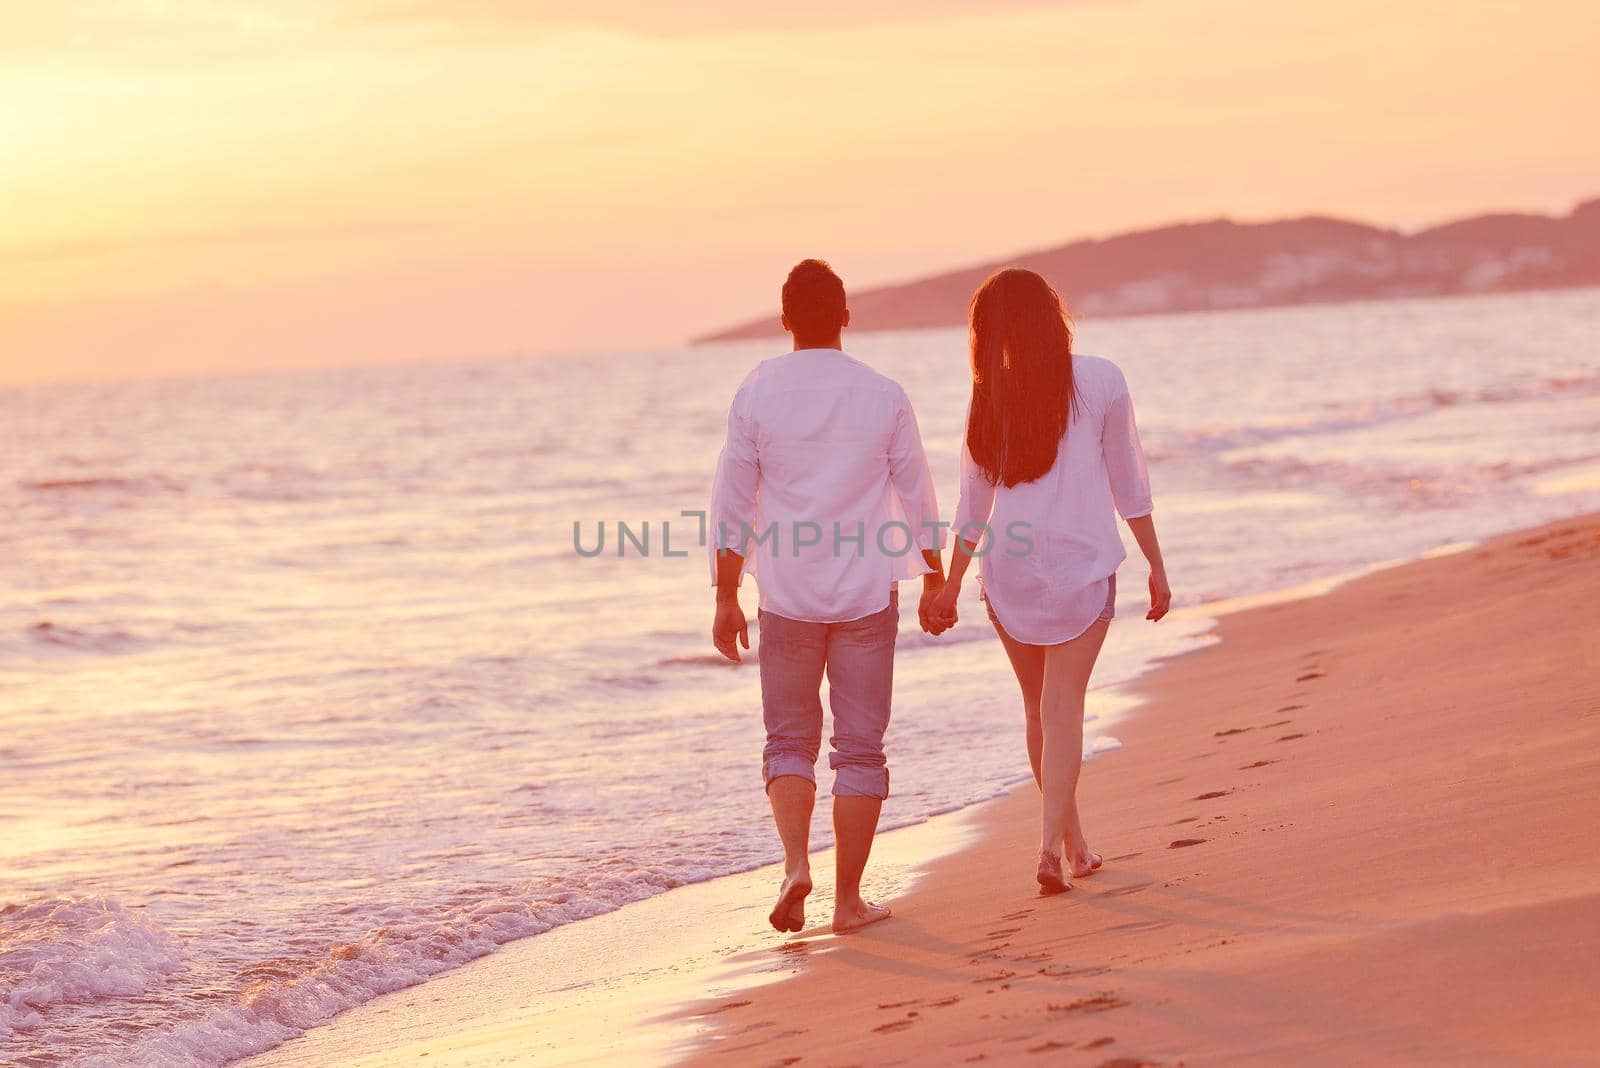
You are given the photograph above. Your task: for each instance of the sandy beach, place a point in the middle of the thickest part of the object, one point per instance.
(388, 386)
(1360, 830)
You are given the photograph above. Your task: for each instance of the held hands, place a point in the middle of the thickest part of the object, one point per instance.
(728, 626)
(937, 611)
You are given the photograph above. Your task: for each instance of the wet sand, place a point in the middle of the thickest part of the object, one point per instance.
(608, 990)
(1361, 830)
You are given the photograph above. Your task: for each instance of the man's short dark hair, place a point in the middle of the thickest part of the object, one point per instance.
(813, 301)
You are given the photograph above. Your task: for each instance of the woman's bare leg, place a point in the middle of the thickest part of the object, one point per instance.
(1066, 678)
(1028, 663)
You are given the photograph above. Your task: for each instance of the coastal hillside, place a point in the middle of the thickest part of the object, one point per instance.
(1227, 264)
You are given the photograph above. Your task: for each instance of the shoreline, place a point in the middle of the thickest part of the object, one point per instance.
(694, 994)
(1351, 831)
(613, 988)
(639, 1010)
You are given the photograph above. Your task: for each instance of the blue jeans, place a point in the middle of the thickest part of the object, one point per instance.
(858, 659)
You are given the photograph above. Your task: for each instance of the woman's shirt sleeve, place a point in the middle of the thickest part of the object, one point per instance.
(1125, 465)
(977, 499)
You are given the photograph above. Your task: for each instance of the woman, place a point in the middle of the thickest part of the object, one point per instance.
(1051, 447)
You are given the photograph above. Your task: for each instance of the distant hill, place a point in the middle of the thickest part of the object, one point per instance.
(1225, 264)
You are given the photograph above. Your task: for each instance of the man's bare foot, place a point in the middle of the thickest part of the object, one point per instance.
(789, 914)
(856, 915)
(1082, 862)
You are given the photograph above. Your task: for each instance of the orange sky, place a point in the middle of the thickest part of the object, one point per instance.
(196, 185)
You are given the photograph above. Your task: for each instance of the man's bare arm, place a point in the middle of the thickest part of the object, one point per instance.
(729, 628)
(932, 583)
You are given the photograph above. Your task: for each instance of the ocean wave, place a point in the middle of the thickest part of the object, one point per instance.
(123, 635)
(1410, 486)
(67, 950)
(82, 639)
(283, 999)
(629, 680)
(103, 482)
(59, 954)
(1225, 436)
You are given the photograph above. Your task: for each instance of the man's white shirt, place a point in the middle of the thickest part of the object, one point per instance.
(823, 486)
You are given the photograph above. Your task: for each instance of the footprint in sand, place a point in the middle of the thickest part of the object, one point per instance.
(1258, 764)
(944, 1003)
(1103, 1040)
(1049, 1047)
(990, 953)
(724, 1007)
(1291, 708)
(1185, 842)
(997, 977)
(1095, 1003)
(1022, 913)
(1070, 973)
(898, 1004)
(1212, 794)
(892, 1026)
(1003, 932)
(1308, 676)
(1290, 737)
(1232, 730)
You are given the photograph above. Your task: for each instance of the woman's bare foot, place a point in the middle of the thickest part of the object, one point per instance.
(789, 914)
(1083, 862)
(853, 916)
(1051, 881)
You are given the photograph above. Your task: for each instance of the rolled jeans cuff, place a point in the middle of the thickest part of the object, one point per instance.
(782, 764)
(854, 780)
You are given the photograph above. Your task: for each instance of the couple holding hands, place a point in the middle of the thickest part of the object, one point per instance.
(819, 440)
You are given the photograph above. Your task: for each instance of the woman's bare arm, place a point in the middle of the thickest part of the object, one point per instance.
(1144, 532)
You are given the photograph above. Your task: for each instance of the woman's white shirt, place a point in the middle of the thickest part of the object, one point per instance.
(1047, 548)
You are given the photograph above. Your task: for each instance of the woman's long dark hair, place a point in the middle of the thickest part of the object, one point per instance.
(1022, 388)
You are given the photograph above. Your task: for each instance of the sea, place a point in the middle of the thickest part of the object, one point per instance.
(307, 692)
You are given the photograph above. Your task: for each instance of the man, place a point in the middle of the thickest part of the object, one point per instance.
(824, 472)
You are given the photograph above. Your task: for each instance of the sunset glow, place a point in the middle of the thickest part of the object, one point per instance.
(577, 533)
(193, 186)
